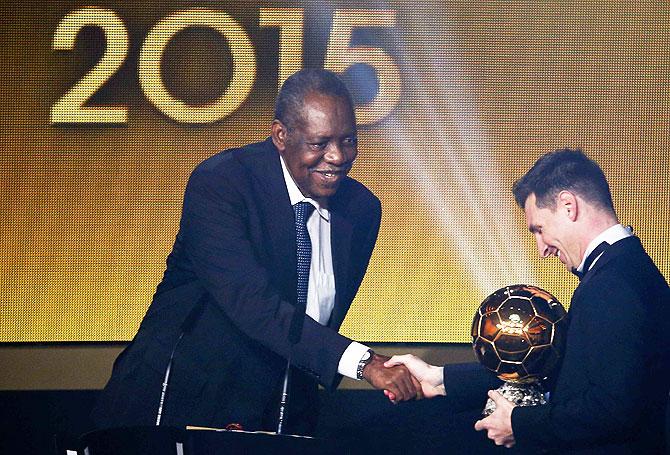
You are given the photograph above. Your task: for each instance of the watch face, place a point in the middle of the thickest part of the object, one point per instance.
(366, 356)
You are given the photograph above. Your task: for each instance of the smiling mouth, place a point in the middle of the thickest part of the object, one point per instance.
(332, 174)
(558, 255)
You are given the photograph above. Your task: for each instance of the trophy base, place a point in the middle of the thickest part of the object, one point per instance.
(530, 394)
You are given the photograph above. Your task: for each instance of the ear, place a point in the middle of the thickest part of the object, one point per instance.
(279, 133)
(567, 203)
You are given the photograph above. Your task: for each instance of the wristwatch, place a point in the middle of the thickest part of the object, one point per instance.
(367, 358)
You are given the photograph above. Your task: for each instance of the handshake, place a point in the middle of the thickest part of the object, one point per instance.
(404, 377)
(407, 377)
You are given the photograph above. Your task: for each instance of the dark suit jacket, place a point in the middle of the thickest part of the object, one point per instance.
(230, 285)
(611, 390)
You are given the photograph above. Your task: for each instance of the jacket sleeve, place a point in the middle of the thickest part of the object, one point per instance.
(467, 384)
(215, 237)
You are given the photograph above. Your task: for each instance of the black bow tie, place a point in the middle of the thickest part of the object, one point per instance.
(589, 260)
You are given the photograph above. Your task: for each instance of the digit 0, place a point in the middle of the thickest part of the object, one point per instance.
(244, 66)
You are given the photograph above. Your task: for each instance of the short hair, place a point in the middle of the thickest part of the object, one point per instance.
(565, 169)
(290, 101)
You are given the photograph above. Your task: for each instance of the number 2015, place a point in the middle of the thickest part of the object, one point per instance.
(340, 55)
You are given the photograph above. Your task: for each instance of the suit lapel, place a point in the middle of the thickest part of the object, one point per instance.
(277, 214)
(340, 241)
(610, 253)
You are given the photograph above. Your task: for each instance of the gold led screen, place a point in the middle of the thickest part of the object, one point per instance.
(108, 106)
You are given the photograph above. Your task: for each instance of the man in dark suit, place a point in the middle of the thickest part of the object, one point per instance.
(611, 390)
(222, 314)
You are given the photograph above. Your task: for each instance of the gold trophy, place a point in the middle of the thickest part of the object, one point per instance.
(519, 333)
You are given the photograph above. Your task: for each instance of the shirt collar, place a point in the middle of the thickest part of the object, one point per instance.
(610, 235)
(295, 195)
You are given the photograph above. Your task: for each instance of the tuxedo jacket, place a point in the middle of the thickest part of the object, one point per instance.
(227, 298)
(611, 390)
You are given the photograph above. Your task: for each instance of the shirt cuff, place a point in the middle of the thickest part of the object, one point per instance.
(350, 359)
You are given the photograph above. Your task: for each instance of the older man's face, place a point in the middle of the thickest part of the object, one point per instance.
(321, 148)
(554, 233)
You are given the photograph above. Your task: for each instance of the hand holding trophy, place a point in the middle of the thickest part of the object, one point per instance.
(518, 333)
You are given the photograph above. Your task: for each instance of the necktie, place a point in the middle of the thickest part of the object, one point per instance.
(304, 258)
(589, 260)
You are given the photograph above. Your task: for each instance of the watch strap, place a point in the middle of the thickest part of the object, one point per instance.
(362, 364)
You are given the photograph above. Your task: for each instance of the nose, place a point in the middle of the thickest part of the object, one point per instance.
(341, 152)
(335, 154)
(542, 248)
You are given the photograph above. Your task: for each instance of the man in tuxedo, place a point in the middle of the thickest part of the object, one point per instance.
(268, 231)
(611, 390)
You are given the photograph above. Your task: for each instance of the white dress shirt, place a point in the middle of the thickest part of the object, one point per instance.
(610, 235)
(321, 285)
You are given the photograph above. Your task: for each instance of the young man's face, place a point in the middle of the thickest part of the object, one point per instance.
(554, 232)
(321, 148)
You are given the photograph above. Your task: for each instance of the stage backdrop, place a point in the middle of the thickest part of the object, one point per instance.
(107, 106)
